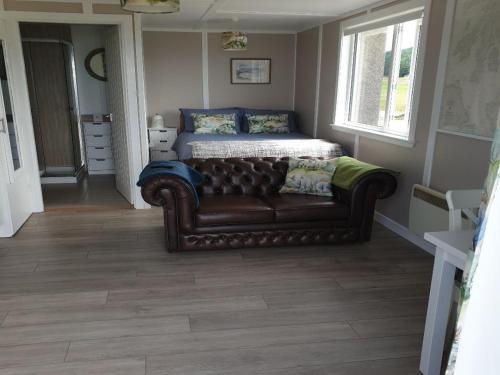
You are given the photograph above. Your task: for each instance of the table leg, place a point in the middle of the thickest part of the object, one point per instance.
(437, 314)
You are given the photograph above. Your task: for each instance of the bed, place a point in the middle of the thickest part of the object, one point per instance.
(191, 145)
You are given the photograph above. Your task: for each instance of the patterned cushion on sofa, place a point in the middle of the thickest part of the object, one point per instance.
(309, 176)
(268, 124)
(214, 123)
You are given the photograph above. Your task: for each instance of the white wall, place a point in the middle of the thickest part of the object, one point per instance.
(91, 92)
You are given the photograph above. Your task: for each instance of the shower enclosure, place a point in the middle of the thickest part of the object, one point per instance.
(50, 70)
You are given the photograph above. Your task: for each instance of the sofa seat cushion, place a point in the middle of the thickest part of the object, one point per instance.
(217, 210)
(302, 207)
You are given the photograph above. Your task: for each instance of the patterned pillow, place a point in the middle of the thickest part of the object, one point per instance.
(214, 124)
(309, 176)
(268, 124)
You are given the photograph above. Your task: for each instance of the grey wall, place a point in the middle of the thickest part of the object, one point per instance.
(280, 48)
(459, 163)
(91, 92)
(409, 161)
(173, 73)
(174, 78)
(305, 83)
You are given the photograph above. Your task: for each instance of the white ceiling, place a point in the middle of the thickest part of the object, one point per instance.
(264, 15)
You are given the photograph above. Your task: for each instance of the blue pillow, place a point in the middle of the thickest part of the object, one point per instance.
(188, 119)
(249, 111)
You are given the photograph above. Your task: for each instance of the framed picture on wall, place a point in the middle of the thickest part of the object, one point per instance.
(250, 71)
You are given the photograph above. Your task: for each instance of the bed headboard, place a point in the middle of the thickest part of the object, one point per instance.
(182, 124)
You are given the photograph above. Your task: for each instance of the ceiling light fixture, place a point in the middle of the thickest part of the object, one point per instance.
(151, 6)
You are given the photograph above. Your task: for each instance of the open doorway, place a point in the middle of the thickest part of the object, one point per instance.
(74, 78)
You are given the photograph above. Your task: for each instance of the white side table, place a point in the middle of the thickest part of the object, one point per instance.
(452, 250)
(161, 142)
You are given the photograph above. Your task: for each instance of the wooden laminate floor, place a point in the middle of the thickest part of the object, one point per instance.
(90, 193)
(94, 293)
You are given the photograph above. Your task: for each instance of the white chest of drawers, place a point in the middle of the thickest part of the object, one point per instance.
(98, 148)
(161, 142)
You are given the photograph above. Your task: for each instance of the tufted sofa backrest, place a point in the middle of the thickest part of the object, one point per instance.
(248, 176)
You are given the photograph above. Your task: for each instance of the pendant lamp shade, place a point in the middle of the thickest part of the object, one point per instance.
(234, 41)
(151, 6)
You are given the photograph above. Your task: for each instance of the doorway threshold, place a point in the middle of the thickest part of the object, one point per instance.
(92, 193)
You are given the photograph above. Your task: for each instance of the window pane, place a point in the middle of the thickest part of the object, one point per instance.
(372, 66)
(403, 87)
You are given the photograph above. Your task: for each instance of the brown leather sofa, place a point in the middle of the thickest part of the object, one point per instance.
(240, 207)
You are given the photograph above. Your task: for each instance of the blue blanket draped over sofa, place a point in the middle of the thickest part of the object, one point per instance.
(171, 168)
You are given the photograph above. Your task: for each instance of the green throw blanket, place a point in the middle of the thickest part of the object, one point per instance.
(349, 171)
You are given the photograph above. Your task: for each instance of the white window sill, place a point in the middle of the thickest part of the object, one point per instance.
(374, 134)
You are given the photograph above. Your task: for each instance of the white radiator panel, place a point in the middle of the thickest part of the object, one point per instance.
(428, 211)
(116, 106)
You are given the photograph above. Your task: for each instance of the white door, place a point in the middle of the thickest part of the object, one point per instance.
(116, 106)
(20, 192)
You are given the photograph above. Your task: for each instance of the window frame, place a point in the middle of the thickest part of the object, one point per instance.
(391, 15)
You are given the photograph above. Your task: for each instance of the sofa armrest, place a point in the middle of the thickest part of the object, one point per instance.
(178, 201)
(362, 197)
(152, 191)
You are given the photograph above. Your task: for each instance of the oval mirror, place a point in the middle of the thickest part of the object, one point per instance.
(96, 65)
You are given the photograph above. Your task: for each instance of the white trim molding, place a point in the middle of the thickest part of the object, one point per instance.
(405, 233)
(204, 58)
(141, 93)
(55, 1)
(318, 80)
(213, 31)
(465, 135)
(76, 18)
(294, 83)
(87, 6)
(364, 131)
(438, 91)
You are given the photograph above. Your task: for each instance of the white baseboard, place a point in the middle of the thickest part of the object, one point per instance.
(58, 180)
(405, 233)
(107, 171)
(59, 170)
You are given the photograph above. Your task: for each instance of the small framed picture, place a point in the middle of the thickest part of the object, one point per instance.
(250, 71)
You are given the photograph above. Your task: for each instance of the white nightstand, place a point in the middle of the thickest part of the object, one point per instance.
(161, 142)
(98, 148)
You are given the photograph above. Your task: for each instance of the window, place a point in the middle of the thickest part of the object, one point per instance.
(378, 61)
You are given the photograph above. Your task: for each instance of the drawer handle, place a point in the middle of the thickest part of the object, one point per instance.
(164, 141)
(98, 136)
(99, 148)
(100, 159)
(97, 123)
